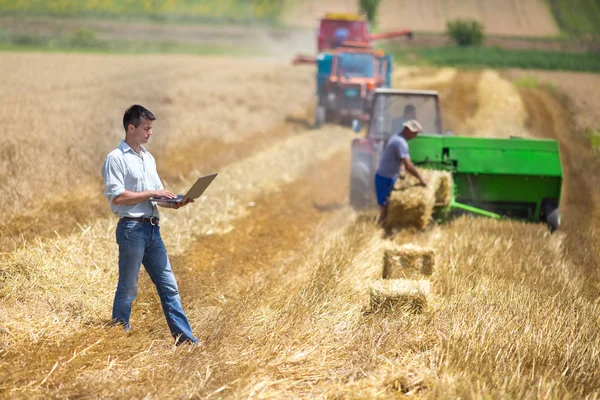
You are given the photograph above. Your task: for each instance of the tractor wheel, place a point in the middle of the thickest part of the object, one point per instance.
(320, 116)
(551, 215)
(361, 182)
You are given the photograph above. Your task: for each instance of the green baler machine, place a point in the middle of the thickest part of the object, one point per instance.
(514, 178)
(496, 177)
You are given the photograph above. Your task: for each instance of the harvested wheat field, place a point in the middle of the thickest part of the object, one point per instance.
(51, 168)
(277, 274)
(520, 18)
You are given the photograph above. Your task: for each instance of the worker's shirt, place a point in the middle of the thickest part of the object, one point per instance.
(124, 169)
(395, 151)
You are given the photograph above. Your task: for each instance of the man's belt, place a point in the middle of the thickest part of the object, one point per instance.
(151, 221)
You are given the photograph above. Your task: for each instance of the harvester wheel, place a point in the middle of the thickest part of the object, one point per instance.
(551, 216)
(361, 182)
(320, 116)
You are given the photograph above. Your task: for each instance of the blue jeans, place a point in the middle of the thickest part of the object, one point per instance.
(140, 243)
(383, 188)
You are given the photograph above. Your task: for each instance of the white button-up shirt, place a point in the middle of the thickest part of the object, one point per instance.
(124, 169)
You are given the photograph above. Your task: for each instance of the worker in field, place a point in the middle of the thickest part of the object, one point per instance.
(395, 155)
(131, 180)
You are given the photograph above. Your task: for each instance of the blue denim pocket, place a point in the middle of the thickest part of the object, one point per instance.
(131, 224)
(127, 227)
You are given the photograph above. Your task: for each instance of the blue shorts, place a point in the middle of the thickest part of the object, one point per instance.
(383, 188)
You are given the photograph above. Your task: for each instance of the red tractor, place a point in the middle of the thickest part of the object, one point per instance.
(337, 29)
(346, 81)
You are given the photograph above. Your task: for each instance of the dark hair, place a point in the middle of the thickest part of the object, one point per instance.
(134, 115)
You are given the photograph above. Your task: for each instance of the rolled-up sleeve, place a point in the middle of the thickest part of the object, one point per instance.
(114, 177)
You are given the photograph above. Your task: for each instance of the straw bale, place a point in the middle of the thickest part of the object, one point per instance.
(443, 193)
(399, 294)
(411, 205)
(407, 261)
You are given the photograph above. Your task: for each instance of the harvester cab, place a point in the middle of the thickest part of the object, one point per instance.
(335, 29)
(495, 177)
(346, 82)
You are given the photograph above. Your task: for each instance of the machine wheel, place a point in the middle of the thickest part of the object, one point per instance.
(551, 215)
(361, 182)
(320, 116)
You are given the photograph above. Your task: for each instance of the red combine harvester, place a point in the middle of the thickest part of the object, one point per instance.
(337, 29)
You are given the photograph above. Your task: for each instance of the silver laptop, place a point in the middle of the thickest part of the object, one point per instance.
(195, 191)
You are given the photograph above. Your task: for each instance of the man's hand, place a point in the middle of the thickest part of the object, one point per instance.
(181, 204)
(163, 193)
(410, 168)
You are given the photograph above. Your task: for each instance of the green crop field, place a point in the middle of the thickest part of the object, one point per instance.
(594, 136)
(186, 9)
(577, 17)
(503, 58)
(86, 40)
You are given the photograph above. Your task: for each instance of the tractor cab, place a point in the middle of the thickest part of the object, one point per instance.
(392, 108)
(351, 65)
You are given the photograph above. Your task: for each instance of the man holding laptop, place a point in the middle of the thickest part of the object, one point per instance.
(134, 190)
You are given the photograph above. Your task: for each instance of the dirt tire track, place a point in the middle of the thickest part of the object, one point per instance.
(548, 118)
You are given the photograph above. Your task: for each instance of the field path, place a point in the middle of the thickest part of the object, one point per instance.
(549, 118)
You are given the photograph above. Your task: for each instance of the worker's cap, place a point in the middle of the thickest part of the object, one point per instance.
(413, 125)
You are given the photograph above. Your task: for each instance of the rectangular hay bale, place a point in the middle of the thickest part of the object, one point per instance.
(407, 261)
(411, 205)
(407, 295)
